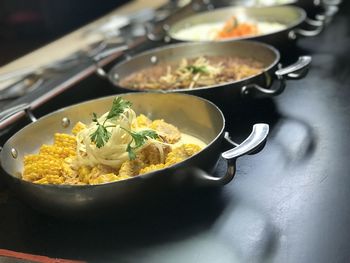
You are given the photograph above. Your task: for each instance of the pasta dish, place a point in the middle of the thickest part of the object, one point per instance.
(193, 73)
(115, 146)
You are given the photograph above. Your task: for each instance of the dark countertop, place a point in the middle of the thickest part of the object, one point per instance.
(289, 203)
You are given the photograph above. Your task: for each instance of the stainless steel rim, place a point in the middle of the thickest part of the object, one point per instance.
(193, 44)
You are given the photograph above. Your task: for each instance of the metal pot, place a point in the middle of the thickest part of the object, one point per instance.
(254, 86)
(203, 120)
(322, 10)
(295, 19)
(307, 5)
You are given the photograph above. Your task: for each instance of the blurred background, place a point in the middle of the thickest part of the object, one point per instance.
(28, 24)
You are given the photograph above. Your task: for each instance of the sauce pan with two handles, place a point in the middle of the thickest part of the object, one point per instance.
(200, 118)
(271, 81)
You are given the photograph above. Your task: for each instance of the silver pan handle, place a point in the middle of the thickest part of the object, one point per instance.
(319, 24)
(253, 144)
(297, 70)
(24, 108)
(332, 2)
(299, 32)
(317, 28)
(328, 14)
(4, 115)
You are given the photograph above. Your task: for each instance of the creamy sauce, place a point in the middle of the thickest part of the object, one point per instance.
(272, 2)
(208, 31)
(186, 139)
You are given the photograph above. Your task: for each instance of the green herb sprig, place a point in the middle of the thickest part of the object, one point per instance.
(101, 135)
(138, 139)
(197, 69)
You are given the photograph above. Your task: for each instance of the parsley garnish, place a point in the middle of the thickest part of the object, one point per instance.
(197, 69)
(118, 107)
(139, 139)
(101, 135)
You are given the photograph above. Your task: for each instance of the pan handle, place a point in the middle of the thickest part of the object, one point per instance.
(332, 2)
(253, 144)
(299, 32)
(6, 115)
(297, 70)
(317, 25)
(24, 107)
(329, 12)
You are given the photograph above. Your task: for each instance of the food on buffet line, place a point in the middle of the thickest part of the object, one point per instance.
(115, 146)
(272, 2)
(232, 28)
(192, 73)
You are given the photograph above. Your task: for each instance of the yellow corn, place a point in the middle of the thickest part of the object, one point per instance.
(53, 163)
(168, 132)
(56, 151)
(66, 141)
(104, 178)
(152, 167)
(79, 126)
(182, 152)
(49, 167)
(39, 166)
(84, 174)
(141, 121)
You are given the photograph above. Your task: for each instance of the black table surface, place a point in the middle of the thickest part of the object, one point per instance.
(289, 203)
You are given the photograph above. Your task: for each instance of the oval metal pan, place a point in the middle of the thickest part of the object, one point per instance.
(203, 120)
(220, 94)
(290, 16)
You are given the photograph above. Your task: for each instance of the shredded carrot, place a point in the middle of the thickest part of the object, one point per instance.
(233, 29)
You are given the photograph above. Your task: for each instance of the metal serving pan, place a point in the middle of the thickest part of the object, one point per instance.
(270, 82)
(307, 5)
(322, 10)
(294, 18)
(203, 120)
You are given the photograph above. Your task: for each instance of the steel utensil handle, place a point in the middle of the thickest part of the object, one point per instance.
(250, 145)
(332, 2)
(24, 108)
(318, 26)
(253, 144)
(297, 70)
(328, 14)
(13, 110)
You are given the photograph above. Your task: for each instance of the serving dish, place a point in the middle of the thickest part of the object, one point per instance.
(203, 120)
(270, 82)
(307, 5)
(295, 21)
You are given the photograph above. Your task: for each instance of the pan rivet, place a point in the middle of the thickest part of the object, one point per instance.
(65, 122)
(167, 39)
(292, 35)
(116, 77)
(154, 59)
(210, 7)
(14, 153)
(166, 27)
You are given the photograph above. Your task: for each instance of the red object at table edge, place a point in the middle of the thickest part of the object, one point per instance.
(35, 258)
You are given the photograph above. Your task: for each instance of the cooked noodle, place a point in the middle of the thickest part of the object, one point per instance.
(193, 73)
(77, 159)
